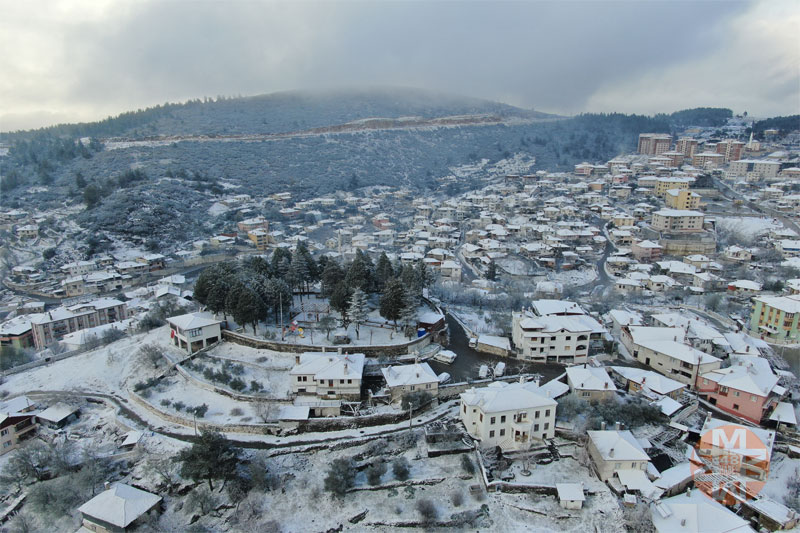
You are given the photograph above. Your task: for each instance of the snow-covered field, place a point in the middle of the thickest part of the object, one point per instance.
(572, 277)
(749, 227)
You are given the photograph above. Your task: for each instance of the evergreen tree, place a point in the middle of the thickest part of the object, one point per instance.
(393, 300)
(91, 196)
(358, 309)
(331, 276)
(299, 274)
(383, 272)
(340, 301)
(249, 308)
(359, 275)
(211, 457)
(491, 272)
(278, 257)
(408, 314)
(80, 181)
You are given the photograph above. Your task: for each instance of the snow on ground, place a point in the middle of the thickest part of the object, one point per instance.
(515, 267)
(781, 469)
(748, 226)
(218, 209)
(110, 369)
(572, 277)
(476, 320)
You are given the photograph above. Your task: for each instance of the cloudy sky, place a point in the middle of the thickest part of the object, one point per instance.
(75, 60)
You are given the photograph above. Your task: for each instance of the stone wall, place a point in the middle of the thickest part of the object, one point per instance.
(391, 350)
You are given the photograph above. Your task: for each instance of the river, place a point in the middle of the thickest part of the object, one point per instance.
(468, 362)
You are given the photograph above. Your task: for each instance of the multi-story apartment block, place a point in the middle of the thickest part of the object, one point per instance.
(682, 199)
(678, 221)
(50, 326)
(662, 185)
(730, 149)
(687, 146)
(17, 423)
(654, 143)
(259, 237)
(708, 160)
(754, 168)
(554, 338)
(511, 416)
(776, 317)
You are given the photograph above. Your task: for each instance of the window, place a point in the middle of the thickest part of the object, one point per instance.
(491, 420)
(617, 466)
(3, 433)
(299, 378)
(736, 393)
(586, 394)
(536, 427)
(481, 417)
(705, 381)
(568, 337)
(413, 387)
(502, 432)
(350, 381)
(736, 406)
(753, 398)
(195, 332)
(547, 412)
(341, 381)
(633, 465)
(491, 434)
(6, 444)
(465, 408)
(536, 414)
(503, 419)
(546, 426)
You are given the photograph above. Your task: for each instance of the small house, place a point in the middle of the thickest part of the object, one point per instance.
(194, 331)
(117, 509)
(59, 415)
(570, 495)
(404, 379)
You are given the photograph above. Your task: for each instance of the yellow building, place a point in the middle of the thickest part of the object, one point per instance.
(776, 317)
(682, 199)
(665, 184)
(259, 237)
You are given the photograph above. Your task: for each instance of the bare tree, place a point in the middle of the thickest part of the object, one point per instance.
(152, 353)
(265, 410)
(164, 467)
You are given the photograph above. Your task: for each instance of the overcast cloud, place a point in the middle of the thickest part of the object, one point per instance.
(74, 60)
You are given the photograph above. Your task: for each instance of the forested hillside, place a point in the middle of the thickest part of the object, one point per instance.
(140, 186)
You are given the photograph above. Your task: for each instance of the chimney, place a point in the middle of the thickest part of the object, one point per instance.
(522, 379)
(106, 485)
(689, 491)
(605, 384)
(616, 426)
(602, 426)
(345, 368)
(339, 351)
(611, 452)
(683, 522)
(297, 359)
(644, 378)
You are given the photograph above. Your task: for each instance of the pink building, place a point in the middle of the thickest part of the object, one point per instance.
(748, 388)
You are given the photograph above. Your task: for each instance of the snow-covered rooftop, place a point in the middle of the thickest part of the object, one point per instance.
(120, 505)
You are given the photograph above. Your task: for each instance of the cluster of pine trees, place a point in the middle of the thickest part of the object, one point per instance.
(255, 289)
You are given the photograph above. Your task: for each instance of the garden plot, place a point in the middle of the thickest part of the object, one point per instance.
(178, 396)
(748, 227)
(242, 377)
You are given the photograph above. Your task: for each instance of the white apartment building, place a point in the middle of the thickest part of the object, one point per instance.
(510, 416)
(554, 338)
(51, 326)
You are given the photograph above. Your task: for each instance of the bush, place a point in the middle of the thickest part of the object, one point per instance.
(238, 385)
(341, 476)
(375, 472)
(255, 386)
(143, 385)
(400, 468)
(457, 498)
(236, 411)
(179, 406)
(415, 400)
(427, 510)
(200, 411)
(467, 465)
(166, 403)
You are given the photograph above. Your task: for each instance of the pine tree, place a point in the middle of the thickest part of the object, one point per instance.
(408, 315)
(340, 301)
(299, 274)
(358, 309)
(331, 277)
(491, 272)
(393, 300)
(249, 308)
(359, 275)
(383, 272)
